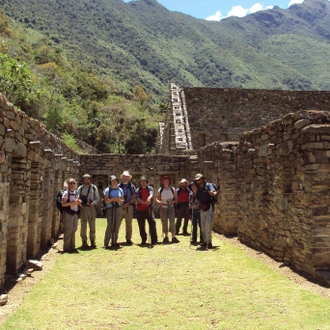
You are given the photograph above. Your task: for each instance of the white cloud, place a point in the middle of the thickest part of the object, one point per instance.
(216, 17)
(239, 11)
(256, 7)
(292, 2)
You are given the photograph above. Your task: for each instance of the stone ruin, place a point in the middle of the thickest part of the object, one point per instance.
(273, 177)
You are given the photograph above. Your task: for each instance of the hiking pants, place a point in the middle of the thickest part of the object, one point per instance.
(70, 224)
(196, 222)
(114, 216)
(127, 213)
(206, 223)
(142, 216)
(87, 215)
(168, 214)
(182, 211)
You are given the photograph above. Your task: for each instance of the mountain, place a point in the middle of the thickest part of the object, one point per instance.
(141, 43)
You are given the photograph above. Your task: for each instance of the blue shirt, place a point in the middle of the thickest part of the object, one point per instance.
(111, 193)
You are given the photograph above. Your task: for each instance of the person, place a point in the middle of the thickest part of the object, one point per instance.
(114, 199)
(166, 198)
(128, 206)
(194, 204)
(89, 196)
(144, 194)
(182, 207)
(70, 204)
(204, 193)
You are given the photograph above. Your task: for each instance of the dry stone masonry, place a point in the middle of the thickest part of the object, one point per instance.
(269, 151)
(222, 114)
(33, 167)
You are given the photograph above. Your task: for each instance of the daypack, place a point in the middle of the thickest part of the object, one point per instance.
(59, 200)
(121, 185)
(162, 188)
(214, 199)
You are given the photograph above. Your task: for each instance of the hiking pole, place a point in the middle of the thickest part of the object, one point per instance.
(191, 228)
(208, 227)
(113, 238)
(161, 220)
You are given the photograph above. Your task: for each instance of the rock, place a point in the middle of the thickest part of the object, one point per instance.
(35, 264)
(3, 299)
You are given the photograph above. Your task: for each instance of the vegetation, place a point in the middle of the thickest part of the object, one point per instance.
(39, 79)
(100, 70)
(167, 287)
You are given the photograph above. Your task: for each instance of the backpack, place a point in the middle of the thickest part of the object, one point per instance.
(121, 185)
(162, 188)
(214, 199)
(59, 200)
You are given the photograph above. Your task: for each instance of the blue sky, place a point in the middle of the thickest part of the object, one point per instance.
(219, 9)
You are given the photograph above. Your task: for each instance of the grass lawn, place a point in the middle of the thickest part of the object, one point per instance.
(167, 287)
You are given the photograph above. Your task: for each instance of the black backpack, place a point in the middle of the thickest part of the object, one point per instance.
(59, 200)
(214, 199)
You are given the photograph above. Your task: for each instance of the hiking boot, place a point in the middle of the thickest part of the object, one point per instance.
(185, 233)
(193, 242)
(129, 242)
(175, 240)
(85, 244)
(165, 240)
(93, 245)
(209, 246)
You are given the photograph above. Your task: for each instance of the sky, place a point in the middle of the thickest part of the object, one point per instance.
(219, 9)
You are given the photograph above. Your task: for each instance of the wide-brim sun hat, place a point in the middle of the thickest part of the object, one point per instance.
(126, 173)
(113, 177)
(184, 181)
(199, 176)
(164, 178)
(143, 178)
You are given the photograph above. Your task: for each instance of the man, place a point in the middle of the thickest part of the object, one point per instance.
(89, 196)
(128, 206)
(114, 199)
(182, 207)
(144, 211)
(204, 193)
(196, 214)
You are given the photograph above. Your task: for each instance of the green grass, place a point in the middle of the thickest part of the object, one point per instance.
(167, 287)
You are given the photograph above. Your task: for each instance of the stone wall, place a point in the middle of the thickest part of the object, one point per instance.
(275, 189)
(33, 167)
(102, 166)
(217, 114)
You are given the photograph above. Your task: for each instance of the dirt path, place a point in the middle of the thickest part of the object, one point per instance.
(21, 290)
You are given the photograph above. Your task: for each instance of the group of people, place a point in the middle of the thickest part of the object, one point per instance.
(191, 201)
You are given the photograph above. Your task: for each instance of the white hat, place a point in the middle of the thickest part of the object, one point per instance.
(126, 173)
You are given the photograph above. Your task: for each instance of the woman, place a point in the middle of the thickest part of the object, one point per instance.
(70, 203)
(166, 198)
(114, 199)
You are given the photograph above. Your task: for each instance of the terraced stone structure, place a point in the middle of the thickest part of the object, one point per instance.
(274, 179)
(197, 117)
(33, 167)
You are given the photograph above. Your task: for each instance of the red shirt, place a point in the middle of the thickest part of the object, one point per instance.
(144, 194)
(183, 196)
